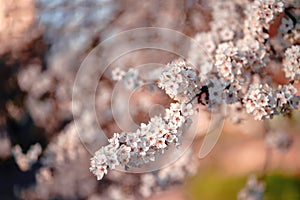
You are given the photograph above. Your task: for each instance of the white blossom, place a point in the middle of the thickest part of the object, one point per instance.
(292, 63)
(226, 34)
(117, 74)
(286, 25)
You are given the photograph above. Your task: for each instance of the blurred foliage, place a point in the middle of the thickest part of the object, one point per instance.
(213, 185)
(282, 187)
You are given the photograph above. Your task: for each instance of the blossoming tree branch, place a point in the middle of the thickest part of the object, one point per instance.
(235, 69)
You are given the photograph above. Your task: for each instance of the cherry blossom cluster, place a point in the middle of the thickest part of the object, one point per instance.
(65, 147)
(64, 152)
(202, 51)
(130, 79)
(224, 12)
(292, 62)
(187, 84)
(227, 61)
(264, 102)
(58, 18)
(180, 81)
(289, 29)
(235, 63)
(150, 140)
(260, 14)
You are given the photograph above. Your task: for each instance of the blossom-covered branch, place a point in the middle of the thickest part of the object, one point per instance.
(234, 69)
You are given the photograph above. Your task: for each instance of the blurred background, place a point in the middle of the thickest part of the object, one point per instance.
(42, 45)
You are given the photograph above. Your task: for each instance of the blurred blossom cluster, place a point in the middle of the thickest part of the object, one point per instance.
(5, 146)
(67, 30)
(25, 160)
(254, 190)
(279, 140)
(17, 27)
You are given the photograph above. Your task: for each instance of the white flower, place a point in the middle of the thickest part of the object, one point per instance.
(254, 94)
(250, 106)
(141, 148)
(161, 130)
(280, 99)
(175, 107)
(161, 143)
(131, 140)
(225, 71)
(259, 113)
(187, 109)
(98, 168)
(170, 137)
(286, 25)
(210, 46)
(177, 119)
(278, 6)
(230, 50)
(112, 160)
(226, 34)
(114, 141)
(263, 100)
(268, 15)
(117, 74)
(123, 154)
(150, 139)
(220, 59)
(144, 127)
